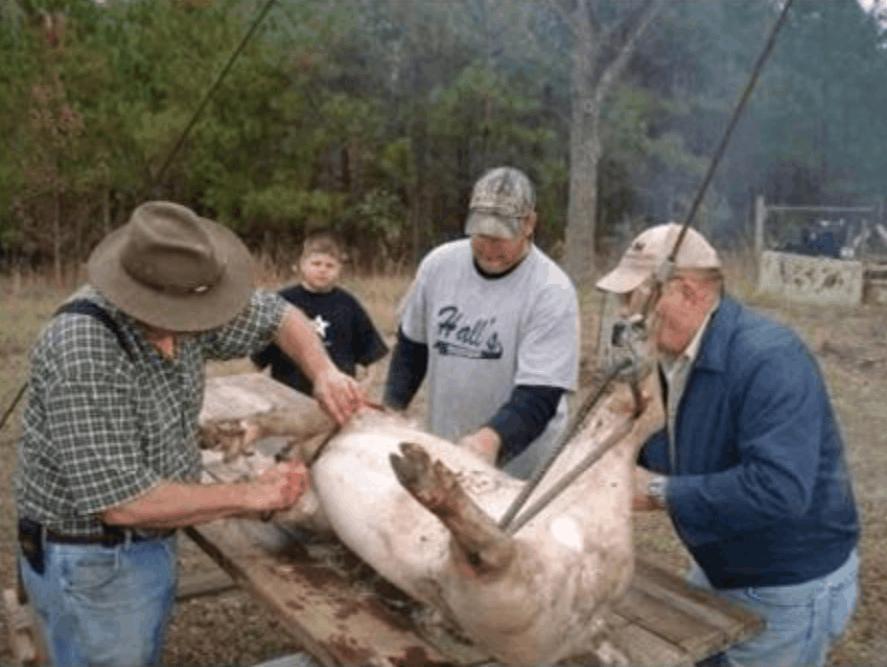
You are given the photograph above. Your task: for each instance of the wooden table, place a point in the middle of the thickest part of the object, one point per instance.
(342, 613)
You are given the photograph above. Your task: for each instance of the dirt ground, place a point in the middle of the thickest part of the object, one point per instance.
(232, 629)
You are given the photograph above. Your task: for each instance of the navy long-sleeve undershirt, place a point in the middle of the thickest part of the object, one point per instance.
(409, 363)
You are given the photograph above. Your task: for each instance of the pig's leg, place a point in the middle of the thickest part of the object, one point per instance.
(477, 538)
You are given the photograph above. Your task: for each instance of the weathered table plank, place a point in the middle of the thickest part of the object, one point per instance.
(345, 615)
(646, 649)
(733, 621)
(656, 615)
(335, 620)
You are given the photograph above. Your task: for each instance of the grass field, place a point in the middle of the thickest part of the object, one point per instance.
(231, 629)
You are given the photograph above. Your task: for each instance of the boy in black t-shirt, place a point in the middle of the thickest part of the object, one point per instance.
(340, 321)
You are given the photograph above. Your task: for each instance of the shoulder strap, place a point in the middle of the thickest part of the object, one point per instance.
(87, 307)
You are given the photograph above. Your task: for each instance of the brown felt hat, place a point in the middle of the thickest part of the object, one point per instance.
(172, 269)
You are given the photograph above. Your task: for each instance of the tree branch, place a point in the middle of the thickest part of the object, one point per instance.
(591, 16)
(566, 16)
(629, 31)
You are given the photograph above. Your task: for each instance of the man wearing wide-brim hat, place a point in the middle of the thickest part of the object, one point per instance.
(750, 465)
(108, 463)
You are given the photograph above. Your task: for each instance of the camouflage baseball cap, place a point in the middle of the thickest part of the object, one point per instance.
(501, 200)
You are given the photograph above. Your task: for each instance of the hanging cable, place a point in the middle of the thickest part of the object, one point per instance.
(663, 273)
(728, 133)
(155, 181)
(209, 93)
(587, 406)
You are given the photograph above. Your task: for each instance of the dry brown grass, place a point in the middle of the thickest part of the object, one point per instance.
(850, 344)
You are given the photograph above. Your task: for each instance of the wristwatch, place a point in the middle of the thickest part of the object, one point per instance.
(656, 489)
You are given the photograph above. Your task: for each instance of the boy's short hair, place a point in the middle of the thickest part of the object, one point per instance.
(323, 241)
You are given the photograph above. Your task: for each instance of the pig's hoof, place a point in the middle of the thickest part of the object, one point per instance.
(432, 484)
(429, 483)
(411, 465)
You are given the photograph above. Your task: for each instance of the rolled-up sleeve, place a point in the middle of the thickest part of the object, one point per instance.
(250, 332)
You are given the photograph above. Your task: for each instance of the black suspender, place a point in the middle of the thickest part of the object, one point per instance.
(87, 307)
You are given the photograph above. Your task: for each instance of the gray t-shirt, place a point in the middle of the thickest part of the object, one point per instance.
(485, 336)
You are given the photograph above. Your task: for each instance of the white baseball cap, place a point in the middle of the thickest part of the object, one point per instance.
(649, 250)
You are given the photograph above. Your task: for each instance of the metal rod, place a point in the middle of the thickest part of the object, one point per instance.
(13, 403)
(540, 472)
(666, 270)
(209, 93)
(565, 481)
(172, 154)
(725, 139)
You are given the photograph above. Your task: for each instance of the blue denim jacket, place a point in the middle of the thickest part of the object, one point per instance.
(760, 492)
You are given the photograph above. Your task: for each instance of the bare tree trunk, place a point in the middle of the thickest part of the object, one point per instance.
(585, 154)
(599, 58)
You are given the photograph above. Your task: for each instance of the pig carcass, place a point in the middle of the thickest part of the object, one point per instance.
(423, 513)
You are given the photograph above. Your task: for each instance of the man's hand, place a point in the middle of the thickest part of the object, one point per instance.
(643, 501)
(484, 442)
(279, 487)
(339, 394)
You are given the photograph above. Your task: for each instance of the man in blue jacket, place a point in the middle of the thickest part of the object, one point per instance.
(750, 466)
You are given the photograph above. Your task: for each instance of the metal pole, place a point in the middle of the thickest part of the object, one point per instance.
(209, 93)
(590, 459)
(531, 484)
(13, 403)
(734, 119)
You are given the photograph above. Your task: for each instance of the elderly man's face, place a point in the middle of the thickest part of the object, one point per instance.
(162, 339)
(679, 312)
(675, 324)
(497, 255)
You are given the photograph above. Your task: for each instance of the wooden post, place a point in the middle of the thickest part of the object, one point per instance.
(760, 218)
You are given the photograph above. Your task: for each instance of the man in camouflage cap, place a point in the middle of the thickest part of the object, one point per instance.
(494, 322)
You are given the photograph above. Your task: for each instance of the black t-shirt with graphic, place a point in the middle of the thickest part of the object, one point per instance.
(341, 323)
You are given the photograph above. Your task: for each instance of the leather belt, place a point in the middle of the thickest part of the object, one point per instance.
(111, 537)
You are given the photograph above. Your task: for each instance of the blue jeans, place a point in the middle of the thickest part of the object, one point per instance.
(802, 620)
(104, 606)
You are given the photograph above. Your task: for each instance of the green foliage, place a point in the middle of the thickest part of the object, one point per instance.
(376, 116)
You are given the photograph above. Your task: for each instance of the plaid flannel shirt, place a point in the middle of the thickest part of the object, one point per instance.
(100, 429)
